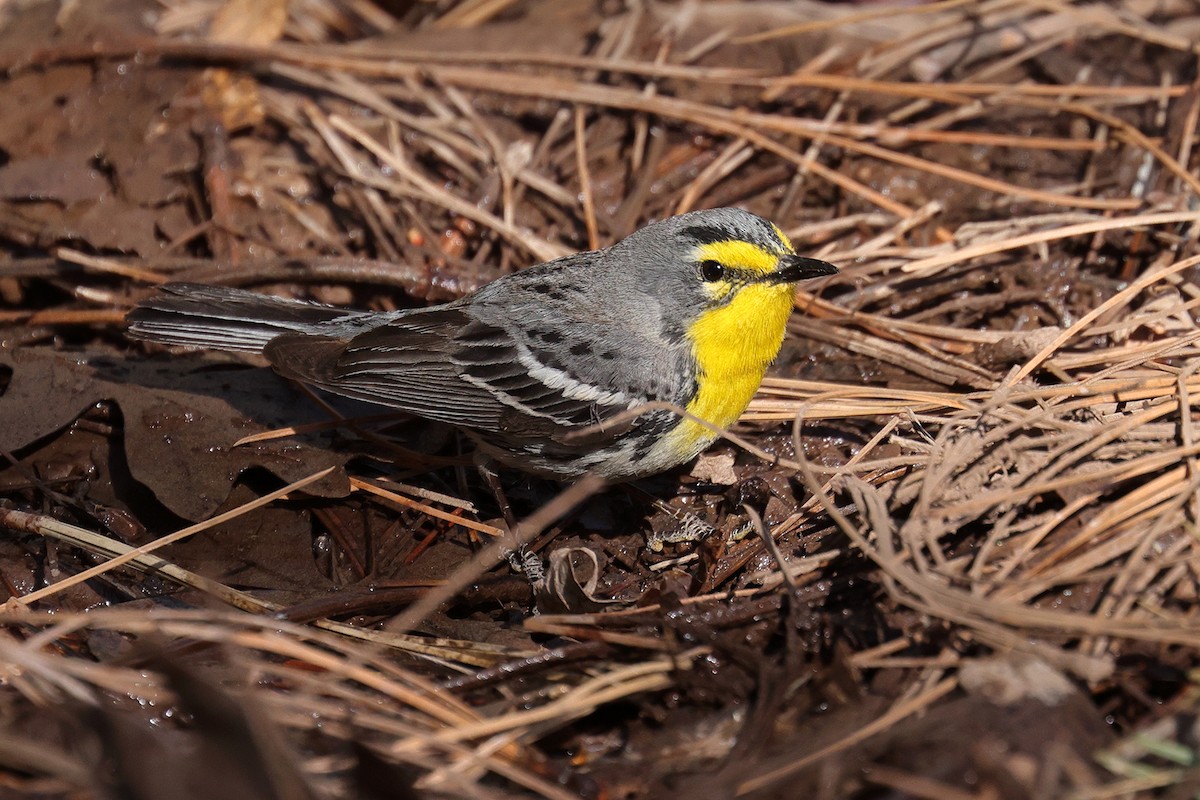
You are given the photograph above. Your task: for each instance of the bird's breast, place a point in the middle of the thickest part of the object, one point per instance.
(733, 345)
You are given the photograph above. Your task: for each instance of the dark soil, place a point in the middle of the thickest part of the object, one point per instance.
(975, 461)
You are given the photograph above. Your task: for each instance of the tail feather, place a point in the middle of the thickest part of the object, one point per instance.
(215, 317)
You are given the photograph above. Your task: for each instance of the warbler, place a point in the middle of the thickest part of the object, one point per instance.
(544, 368)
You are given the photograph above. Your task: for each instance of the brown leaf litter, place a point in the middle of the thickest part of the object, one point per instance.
(955, 551)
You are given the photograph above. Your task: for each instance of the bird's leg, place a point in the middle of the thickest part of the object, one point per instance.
(492, 480)
(690, 527)
(521, 559)
(752, 492)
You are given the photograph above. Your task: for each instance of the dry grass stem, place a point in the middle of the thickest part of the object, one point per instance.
(977, 453)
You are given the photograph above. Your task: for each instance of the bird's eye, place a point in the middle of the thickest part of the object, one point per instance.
(711, 270)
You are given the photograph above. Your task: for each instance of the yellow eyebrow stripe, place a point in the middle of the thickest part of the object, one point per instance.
(783, 238)
(738, 255)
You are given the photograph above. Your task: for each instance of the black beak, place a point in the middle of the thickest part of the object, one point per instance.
(794, 268)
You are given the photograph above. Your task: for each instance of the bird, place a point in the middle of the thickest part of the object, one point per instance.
(546, 368)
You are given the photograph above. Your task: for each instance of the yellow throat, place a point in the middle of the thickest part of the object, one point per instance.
(733, 346)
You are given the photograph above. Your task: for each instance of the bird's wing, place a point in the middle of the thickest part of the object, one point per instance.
(404, 363)
(444, 364)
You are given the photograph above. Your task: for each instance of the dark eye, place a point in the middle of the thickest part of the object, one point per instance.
(711, 270)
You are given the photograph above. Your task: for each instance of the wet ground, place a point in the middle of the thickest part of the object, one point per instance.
(974, 461)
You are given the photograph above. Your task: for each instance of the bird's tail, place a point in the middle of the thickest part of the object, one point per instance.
(219, 318)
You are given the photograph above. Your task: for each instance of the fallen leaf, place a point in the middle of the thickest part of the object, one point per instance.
(570, 583)
(182, 416)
